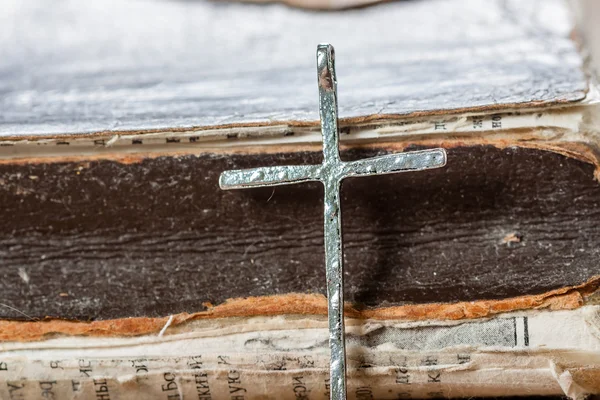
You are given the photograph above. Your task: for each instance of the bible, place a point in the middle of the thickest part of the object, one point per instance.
(128, 273)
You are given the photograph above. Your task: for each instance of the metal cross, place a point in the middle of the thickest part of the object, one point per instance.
(331, 172)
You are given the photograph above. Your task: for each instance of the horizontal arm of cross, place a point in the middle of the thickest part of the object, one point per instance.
(388, 164)
(269, 176)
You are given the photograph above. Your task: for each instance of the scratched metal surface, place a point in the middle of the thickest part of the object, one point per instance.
(110, 65)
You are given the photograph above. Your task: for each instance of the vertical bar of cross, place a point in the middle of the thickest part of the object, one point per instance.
(334, 263)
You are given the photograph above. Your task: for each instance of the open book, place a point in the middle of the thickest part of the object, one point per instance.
(127, 273)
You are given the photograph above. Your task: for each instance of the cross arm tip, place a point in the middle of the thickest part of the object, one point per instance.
(439, 157)
(426, 159)
(430, 158)
(226, 180)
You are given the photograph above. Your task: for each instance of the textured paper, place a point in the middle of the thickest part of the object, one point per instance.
(114, 66)
(547, 124)
(543, 353)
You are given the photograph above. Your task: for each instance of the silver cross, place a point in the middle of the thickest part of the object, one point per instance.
(331, 172)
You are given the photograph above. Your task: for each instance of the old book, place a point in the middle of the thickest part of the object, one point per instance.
(127, 273)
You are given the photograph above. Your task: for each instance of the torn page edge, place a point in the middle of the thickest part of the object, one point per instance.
(566, 119)
(512, 354)
(300, 304)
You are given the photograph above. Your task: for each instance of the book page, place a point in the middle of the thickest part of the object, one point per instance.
(542, 353)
